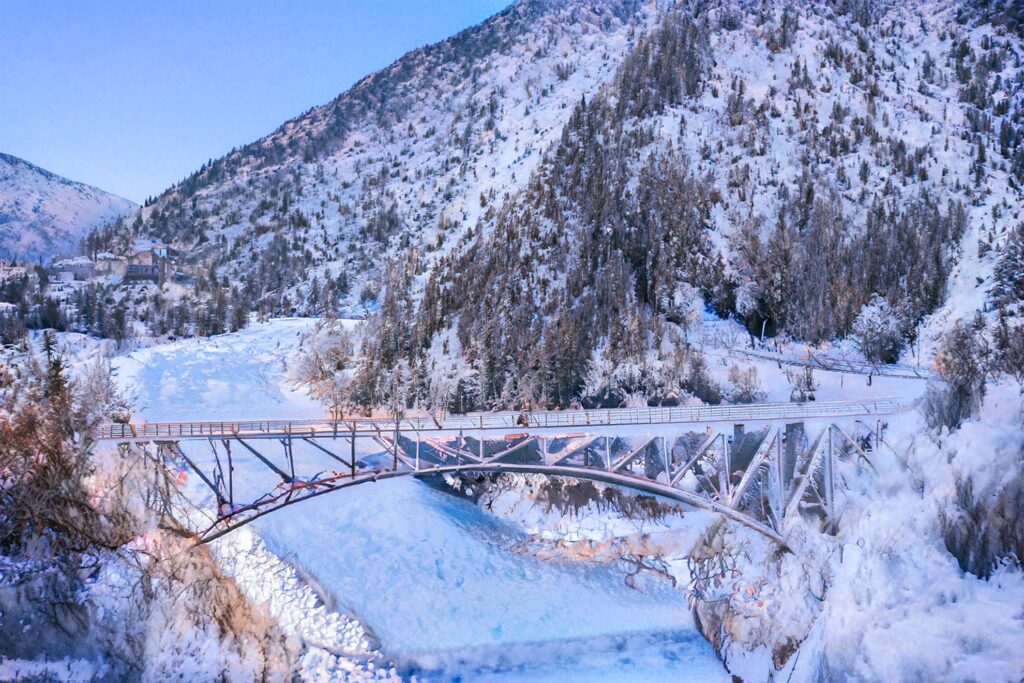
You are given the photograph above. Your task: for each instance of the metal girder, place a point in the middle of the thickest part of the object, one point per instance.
(709, 441)
(389, 446)
(852, 442)
(763, 453)
(626, 459)
(576, 450)
(785, 503)
(456, 452)
(217, 492)
(317, 446)
(802, 479)
(228, 523)
(281, 473)
(509, 451)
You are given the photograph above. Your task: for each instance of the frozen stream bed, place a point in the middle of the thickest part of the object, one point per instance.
(433, 576)
(430, 574)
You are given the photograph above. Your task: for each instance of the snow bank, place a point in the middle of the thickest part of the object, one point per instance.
(220, 378)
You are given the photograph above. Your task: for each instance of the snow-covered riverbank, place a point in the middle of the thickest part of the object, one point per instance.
(847, 602)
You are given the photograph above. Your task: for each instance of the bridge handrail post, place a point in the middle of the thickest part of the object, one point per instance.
(352, 453)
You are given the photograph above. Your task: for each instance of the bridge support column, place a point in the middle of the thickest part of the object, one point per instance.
(725, 473)
(290, 455)
(778, 509)
(794, 439)
(394, 450)
(352, 442)
(828, 482)
(666, 459)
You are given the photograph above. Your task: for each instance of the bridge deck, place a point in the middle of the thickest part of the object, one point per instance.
(180, 431)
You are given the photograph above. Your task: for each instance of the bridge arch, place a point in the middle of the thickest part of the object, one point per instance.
(246, 514)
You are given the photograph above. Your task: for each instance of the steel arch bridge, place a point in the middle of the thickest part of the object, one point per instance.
(761, 479)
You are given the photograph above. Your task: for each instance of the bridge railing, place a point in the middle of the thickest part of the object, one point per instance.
(503, 420)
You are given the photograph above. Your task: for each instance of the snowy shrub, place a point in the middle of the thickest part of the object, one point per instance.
(370, 292)
(651, 375)
(199, 624)
(446, 373)
(878, 331)
(746, 387)
(1009, 355)
(942, 408)
(960, 365)
(802, 385)
(635, 399)
(45, 462)
(686, 308)
(600, 380)
(159, 605)
(325, 365)
(156, 606)
(748, 299)
(12, 329)
(981, 530)
(748, 600)
(1008, 291)
(699, 382)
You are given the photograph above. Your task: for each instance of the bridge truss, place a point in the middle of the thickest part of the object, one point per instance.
(761, 479)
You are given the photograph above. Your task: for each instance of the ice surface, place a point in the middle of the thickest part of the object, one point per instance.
(220, 378)
(434, 577)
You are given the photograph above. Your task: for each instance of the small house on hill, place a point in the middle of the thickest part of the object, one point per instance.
(146, 265)
(145, 244)
(77, 268)
(109, 264)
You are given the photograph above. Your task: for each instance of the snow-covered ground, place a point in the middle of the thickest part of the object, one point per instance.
(438, 583)
(437, 580)
(247, 374)
(394, 577)
(220, 378)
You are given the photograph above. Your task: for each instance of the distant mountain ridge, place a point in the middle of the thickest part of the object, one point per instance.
(43, 214)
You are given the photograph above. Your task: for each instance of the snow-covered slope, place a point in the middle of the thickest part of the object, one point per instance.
(43, 214)
(779, 162)
(566, 182)
(409, 157)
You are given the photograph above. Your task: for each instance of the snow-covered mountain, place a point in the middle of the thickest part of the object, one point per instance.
(409, 156)
(559, 185)
(43, 214)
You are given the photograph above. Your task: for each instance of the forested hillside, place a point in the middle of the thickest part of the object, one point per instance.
(806, 170)
(539, 209)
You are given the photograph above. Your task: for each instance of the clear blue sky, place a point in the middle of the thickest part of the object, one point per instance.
(133, 95)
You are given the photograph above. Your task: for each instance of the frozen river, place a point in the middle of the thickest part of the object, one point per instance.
(431, 575)
(437, 581)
